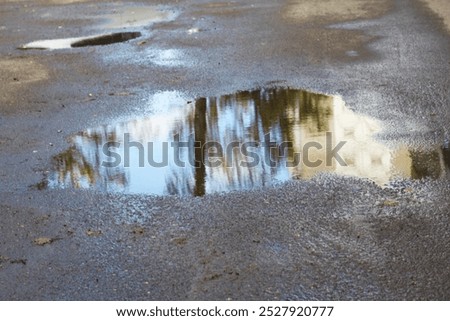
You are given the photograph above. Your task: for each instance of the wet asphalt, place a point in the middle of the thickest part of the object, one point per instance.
(329, 238)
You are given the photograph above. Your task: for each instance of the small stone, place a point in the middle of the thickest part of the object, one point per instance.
(390, 203)
(90, 232)
(41, 241)
(138, 230)
(19, 261)
(180, 241)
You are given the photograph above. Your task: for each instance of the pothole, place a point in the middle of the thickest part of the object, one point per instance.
(242, 141)
(96, 40)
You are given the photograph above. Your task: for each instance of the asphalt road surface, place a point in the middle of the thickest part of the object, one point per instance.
(330, 237)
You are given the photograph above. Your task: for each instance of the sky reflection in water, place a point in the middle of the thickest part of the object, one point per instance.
(288, 115)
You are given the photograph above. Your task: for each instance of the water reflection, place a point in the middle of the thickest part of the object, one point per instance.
(286, 115)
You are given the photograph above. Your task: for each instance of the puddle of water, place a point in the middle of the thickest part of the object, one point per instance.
(446, 155)
(287, 115)
(52, 44)
(124, 17)
(106, 39)
(97, 40)
(136, 16)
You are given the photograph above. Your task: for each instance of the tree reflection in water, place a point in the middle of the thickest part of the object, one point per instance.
(288, 115)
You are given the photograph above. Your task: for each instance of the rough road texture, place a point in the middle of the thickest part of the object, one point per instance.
(327, 238)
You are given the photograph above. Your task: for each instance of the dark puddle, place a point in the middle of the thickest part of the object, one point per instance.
(446, 153)
(106, 39)
(145, 155)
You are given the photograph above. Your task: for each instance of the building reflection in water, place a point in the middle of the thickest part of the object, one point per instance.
(288, 115)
